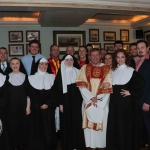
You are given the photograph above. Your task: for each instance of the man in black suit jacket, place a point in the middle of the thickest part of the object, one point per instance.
(4, 65)
(143, 68)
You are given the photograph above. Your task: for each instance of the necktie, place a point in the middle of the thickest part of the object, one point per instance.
(32, 66)
(3, 67)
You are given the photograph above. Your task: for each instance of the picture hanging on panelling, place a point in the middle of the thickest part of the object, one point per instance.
(69, 38)
(94, 35)
(126, 46)
(147, 37)
(96, 45)
(124, 35)
(32, 35)
(16, 49)
(15, 36)
(109, 47)
(109, 36)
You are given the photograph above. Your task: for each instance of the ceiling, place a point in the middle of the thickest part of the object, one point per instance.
(95, 13)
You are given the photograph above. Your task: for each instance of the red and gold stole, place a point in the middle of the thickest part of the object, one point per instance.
(54, 64)
(96, 72)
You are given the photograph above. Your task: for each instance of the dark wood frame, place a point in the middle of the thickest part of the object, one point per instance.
(21, 33)
(96, 44)
(128, 44)
(90, 36)
(106, 32)
(16, 46)
(147, 33)
(109, 51)
(121, 36)
(55, 33)
(27, 40)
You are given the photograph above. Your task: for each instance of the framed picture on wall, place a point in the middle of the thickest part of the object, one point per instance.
(124, 35)
(96, 45)
(109, 36)
(16, 49)
(126, 46)
(32, 35)
(94, 35)
(109, 47)
(147, 37)
(69, 38)
(15, 36)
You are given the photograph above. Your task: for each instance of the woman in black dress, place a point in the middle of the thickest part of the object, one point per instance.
(18, 104)
(123, 118)
(70, 102)
(42, 131)
(3, 106)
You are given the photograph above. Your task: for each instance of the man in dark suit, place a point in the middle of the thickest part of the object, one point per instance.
(4, 65)
(143, 68)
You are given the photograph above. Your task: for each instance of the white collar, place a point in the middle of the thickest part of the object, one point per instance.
(68, 75)
(122, 74)
(16, 79)
(41, 80)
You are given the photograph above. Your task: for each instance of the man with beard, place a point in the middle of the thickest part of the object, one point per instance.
(118, 45)
(134, 59)
(143, 68)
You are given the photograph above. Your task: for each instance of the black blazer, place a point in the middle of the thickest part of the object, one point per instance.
(132, 61)
(7, 70)
(144, 71)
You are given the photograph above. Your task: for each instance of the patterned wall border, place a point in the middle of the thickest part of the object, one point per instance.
(74, 5)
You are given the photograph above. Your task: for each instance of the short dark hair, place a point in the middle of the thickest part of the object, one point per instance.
(4, 48)
(52, 46)
(142, 41)
(118, 42)
(133, 44)
(94, 50)
(36, 42)
(89, 45)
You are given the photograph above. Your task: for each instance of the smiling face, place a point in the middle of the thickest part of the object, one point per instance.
(108, 59)
(3, 55)
(15, 65)
(133, 51)
(121, 59)
(69, 62)
(34, 48)
(95, 57)
(54, 52)
(82, 53)
(43, 66)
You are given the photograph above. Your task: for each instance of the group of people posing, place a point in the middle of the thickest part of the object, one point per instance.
(102, 99)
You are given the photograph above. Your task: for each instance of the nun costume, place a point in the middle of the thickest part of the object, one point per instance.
(18, 104)
(70, 102)
(123, 117)
(42, 131)
(3, 106)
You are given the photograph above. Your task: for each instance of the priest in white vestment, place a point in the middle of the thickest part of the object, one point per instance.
(91, 80)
